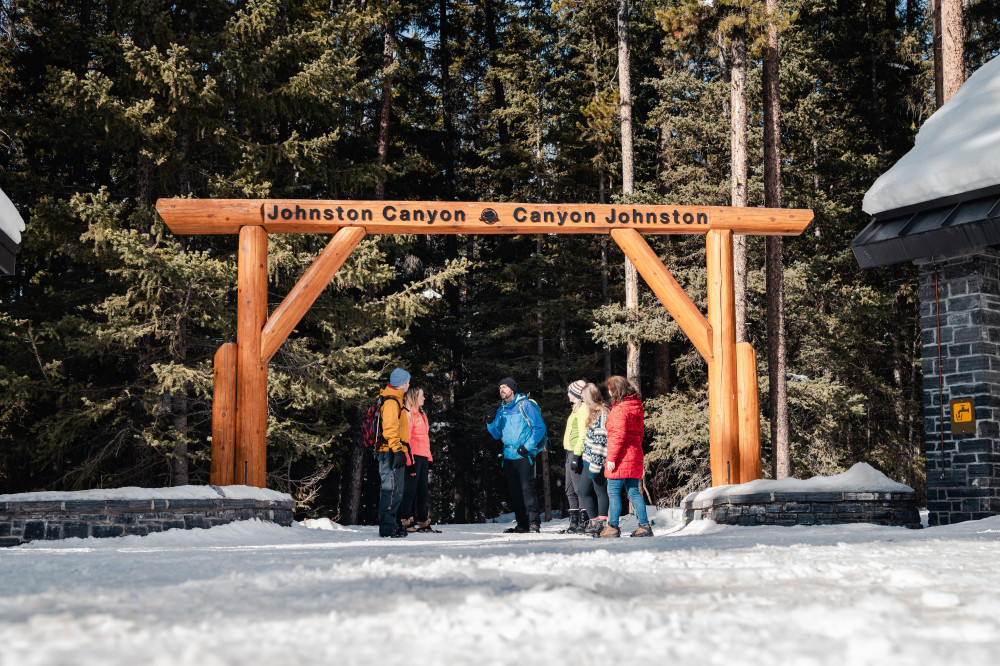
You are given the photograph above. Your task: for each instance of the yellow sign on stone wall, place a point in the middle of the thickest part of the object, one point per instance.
(963, 416)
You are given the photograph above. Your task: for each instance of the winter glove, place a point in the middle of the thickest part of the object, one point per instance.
(398, 460)
(521, 451)
(576, 464)
(488, 416)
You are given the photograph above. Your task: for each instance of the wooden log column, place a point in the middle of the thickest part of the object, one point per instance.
(724, 438)
(251, 370)
(749, 409)
(224, 417)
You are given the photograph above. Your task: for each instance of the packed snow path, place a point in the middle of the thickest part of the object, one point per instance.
(257, 593)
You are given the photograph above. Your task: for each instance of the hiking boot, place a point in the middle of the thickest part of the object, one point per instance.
(594, 527)
(610, 531)
(409, 525)
(534, 528)
(517, 529)
(426, 528)
(574, 522)
(643, 531)
(400, 531)
(581, 525)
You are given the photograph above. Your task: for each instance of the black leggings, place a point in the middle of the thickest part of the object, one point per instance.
(593, 492)
(415, 490)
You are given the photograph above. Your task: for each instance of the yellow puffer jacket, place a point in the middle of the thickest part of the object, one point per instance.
(395, 422)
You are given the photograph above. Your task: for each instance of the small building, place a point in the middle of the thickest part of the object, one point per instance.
(11, 226)
(939, 207)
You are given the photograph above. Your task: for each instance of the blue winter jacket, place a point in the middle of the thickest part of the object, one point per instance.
(511, 425)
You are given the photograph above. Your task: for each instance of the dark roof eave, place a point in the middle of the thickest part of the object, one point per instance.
(8, 250)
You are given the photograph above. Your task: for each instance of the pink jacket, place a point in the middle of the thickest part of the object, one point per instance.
(420, 439)
(625, 428)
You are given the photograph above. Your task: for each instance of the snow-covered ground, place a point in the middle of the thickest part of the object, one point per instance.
(256, 593)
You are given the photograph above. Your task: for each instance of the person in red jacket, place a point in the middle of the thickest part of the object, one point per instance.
(623, 467)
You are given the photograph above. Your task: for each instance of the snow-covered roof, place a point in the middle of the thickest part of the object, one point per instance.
(11, 222)
(862, 477)
(133, 493)
(957, 150)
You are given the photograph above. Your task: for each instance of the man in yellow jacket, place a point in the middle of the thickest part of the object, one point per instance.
(393, 452)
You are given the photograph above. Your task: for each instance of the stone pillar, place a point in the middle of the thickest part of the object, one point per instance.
(963, 479)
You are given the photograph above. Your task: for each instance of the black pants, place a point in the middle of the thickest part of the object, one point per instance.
(521, 484)
(390, 494)
(415, 490)
(593, 490)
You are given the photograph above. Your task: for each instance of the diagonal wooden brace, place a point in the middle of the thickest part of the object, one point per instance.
(305, 292)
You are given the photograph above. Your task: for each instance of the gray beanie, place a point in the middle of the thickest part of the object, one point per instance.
(398, 377)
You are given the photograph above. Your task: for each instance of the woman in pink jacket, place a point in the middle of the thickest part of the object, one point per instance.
(416, 490)
(624, 466)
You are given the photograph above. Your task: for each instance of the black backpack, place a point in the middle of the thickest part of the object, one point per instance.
(371, 424)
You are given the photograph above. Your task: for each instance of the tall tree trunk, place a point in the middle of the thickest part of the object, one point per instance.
(386, 110)
(939, 98)
(601, 178)
(546, 471)
(493, 42)
(775, 289)
(952, 47)
(446, 99)
(632, 365)
(661, 377)
(595, 78)
(738, 171)
(351, 499)
(873, 76)
(179, 417)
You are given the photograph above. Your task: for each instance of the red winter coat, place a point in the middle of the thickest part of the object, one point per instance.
(625, 429)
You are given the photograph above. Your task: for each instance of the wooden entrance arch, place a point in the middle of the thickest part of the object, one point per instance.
(239, 410)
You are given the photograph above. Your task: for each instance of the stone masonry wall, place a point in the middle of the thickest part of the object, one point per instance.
(963, 471)
(23, 521)
(807, 508)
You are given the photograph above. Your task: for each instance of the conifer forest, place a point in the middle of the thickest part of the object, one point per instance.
(109, 325)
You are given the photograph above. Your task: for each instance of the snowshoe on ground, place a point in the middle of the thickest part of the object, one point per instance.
(610, 531)
(409, 524)
(425, 528)
(400, 531)
(594, 527)
(517, 529)
(643, 531)
(534, 528)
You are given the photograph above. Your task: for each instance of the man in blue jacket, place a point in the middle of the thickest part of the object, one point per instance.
(518, 424)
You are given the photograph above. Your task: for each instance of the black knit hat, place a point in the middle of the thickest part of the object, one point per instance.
(509, 383)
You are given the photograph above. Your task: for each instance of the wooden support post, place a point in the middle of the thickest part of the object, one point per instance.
(224, 417)
(672, 295)
(251, 371)
(749, 408)
(724, 438)
(298, 301)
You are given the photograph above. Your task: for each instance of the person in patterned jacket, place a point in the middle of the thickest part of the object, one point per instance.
(593, 488)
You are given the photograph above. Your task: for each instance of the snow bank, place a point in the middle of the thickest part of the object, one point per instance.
(10, 220)
(956, 149)
(133, 493)
(862, 478)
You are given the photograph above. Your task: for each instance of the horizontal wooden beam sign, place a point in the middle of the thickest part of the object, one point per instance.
(277, 216)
